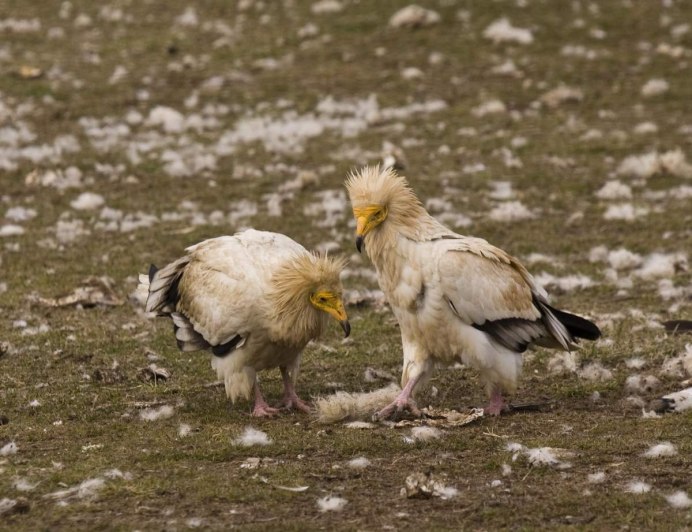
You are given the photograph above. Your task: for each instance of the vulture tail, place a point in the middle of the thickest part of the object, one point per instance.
(577, 326)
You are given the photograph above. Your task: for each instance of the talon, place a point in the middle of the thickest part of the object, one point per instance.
(264, 411)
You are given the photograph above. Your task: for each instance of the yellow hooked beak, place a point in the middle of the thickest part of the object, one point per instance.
(361, 224)
(339, 313)
(366, 219)
(329, 302)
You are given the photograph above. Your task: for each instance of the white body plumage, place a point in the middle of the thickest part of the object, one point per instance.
(251, 298)
(456, 298)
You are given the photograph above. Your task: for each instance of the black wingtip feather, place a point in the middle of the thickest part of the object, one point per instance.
(152, 271)
(577, 326)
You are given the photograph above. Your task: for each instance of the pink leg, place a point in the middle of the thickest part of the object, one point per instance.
(402, 401)
(261, 408)
(290, 399)
(497, 404)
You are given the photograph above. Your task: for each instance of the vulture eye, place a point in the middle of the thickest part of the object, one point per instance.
(323, 299)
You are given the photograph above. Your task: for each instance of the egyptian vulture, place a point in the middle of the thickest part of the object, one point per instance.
(255, 300)
(456, 298)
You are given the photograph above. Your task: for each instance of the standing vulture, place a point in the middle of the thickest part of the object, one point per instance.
(456, 298)
(255, 300)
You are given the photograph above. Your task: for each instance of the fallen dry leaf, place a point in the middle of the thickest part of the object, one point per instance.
(426, 486)
(29, 72)
(435, 417)
(154, 373)
(92, 292)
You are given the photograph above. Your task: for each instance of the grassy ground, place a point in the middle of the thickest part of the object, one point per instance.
(83, 365)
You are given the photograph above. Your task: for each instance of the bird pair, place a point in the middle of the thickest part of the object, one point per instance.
(257, 298)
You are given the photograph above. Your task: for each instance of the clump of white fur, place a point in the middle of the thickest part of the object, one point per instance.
(425, 433)
(563, 363)
(638, 487)
(642, 383)
(359, 463)
(679, 499)
(661, 449)
(502, 31)
(349, 406)
(251, 436)
(331, 503)
(6, 505)
(597, 477)
(154, 414)
(595, 372)
(541, 456)
(85, 490)
(680, 365)
(8, 449)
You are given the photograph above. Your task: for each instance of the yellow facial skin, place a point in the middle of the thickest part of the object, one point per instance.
(367, 218)
(331, 303)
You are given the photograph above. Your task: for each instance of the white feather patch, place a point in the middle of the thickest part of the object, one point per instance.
(8, 449)
(679, 499)
(425, 433)
(331, 504)
(638, 487)
(251, 436)
(343, 405)
(596, 478)
(661, 449)
(359, 463)
(154, 414)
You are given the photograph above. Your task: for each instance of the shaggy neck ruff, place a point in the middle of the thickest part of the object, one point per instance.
(296, 321)
(406, 218)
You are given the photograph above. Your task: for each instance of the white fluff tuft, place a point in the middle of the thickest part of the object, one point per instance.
(502, 31)
(597, 477)
(6, 505)
(614, 190)
(595, 372)
(87, 201)
(635, 363)
(679, 499)
(679, 366)
(343, 405)
(563, 363)
(86, 490)
(22, 484)
(625, 211)
(623, 259)
(511, 211)
(598, 254)
(184, 430)
(251, 436)
(648, 164)
(331, 503)
(654, 87)
(414, 16)
(661, 265)
(359, 463)
(542, 456)
(638, 487)
(425, 433)
(661, 449)
(154, 414)
(641, 384)
(8, 449)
